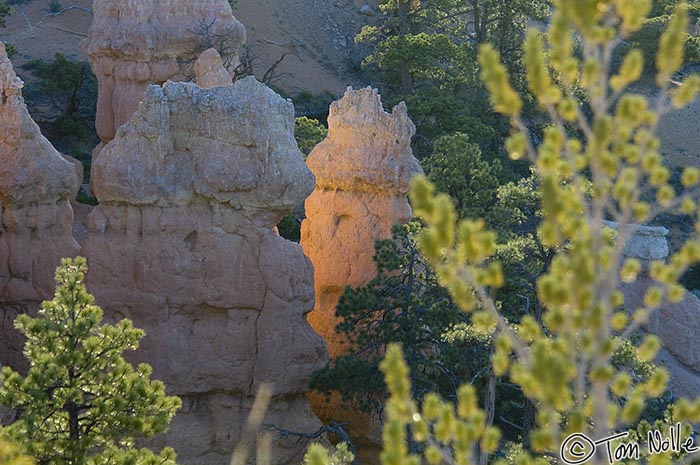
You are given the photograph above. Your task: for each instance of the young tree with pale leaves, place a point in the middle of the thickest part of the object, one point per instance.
(81, 402)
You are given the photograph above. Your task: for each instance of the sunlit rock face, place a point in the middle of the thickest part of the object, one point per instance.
(210, 71)
(182, 243)
(363, 171)
(134, 43)
(36, 185)
(676, 324)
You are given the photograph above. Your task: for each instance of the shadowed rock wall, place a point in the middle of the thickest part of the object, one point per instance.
(36, 185)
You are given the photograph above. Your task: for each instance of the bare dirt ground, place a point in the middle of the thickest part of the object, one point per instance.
(38, 36)
(315, 37)
(679, 132)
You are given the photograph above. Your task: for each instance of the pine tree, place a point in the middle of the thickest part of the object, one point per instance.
(403, 304)
(5, 10)
(424, 53)
(309, 133)
(81, 402)
(457, 168)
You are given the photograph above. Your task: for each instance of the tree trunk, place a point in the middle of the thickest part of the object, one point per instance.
(73, 102)
(528, 417)
(489, 400)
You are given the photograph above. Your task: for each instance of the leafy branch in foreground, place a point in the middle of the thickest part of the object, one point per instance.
(563, 364)
(594, 164)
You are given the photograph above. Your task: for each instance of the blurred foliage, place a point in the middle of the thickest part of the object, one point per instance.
(10, 50)
(575, 359)
(318, 455)
(10, 454)
(5, 10)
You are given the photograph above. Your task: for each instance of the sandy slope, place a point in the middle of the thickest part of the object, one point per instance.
(679, 132)
(316, 36)
(37, 36)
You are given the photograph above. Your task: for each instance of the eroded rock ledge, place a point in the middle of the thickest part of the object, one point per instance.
(182, 243)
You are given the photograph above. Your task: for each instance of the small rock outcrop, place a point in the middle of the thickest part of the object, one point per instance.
(645, 243)
(209, 70)
(36, 185)
(134, 43)
(182, 243)
(363, 171)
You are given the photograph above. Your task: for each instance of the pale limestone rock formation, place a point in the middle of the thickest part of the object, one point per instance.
(363, 171)
(645, 243)
(134, 43)
(182, 243)
(676, 324)
(36, 185)
(210, 71)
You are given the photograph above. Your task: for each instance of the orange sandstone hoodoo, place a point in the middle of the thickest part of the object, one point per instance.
(363, 171)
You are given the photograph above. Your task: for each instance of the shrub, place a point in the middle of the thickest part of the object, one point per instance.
(308, 133)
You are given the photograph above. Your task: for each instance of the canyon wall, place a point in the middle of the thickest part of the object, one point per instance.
(363, 171)
(183, 244)
(36, 185)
